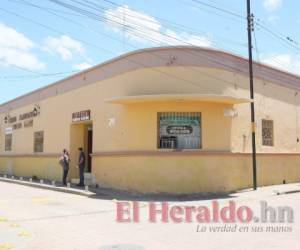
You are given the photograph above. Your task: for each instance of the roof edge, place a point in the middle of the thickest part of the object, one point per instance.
(148, 50)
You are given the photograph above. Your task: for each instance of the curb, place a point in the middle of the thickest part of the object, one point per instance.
(137, 196)
(49, 187)
(116, 192)
(287, 192)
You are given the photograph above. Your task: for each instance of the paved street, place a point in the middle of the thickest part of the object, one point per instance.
(38, 219)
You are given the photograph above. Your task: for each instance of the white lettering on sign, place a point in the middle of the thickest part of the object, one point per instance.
(8, 131)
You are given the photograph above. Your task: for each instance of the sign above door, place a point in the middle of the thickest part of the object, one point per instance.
(81, 116)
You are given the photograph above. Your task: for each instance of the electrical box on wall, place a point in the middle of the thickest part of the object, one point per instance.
(229, 112)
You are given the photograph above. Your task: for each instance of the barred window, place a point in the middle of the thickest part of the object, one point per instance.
(8, 142)
(267, 133)
(39, 142)
(179, 130)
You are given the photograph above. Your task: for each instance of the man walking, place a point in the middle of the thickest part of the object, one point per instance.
(81, 166)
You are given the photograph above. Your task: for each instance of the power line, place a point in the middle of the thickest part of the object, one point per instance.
(118, 5)
(220, 9)
(188, 51)
(42, 75)
(155, 55)
(208, 75)
(277, 36)
(142, 35)
(101, 8)
(96, 17)
(196, 6)
(134, 46)
(22, 68)
(258, 53)
(208, 58)
(176, 25)
(97, 47)
(129, 28)
(286, 39)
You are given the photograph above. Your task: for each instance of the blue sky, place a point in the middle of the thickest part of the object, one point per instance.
(48, 38)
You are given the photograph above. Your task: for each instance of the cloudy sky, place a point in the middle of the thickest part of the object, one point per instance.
(42, 41)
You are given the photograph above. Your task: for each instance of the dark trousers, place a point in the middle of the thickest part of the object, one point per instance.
(65, 175)
(81, 175)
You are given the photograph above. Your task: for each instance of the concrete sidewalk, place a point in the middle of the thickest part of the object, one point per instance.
(47, 185)
(266, 192)
(109, 193)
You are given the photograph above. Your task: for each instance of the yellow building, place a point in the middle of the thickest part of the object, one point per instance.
(170, 119)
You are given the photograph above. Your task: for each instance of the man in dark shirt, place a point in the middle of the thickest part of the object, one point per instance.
(81, 166)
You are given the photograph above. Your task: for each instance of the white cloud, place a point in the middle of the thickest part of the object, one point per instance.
(273, 19)
(19, 58)
(82, 66)
(143, 28)
(287, 62)
(185, 38)
(122, 17)
(64, 45)
(15, 49)
(271, 5)
(11, 38)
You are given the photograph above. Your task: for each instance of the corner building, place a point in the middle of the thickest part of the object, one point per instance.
(169, 119)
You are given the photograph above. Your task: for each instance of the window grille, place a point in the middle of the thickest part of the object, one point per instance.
(179, 130)
(8, 142)
(267, 133)
(39, 142)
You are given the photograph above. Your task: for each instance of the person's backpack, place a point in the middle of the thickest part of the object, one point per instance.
(62, 161)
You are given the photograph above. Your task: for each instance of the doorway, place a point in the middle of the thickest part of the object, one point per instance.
(81, 136)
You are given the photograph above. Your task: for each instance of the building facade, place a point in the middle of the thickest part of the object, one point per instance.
(170, 119)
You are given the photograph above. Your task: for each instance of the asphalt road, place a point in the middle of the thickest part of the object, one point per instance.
(38, 219)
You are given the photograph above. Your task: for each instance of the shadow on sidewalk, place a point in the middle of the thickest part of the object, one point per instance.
(110, 194)
(105, 193)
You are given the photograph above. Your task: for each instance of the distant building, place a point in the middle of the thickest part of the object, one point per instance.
(170, 119)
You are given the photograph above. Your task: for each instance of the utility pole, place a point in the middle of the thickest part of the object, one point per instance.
(253, 126)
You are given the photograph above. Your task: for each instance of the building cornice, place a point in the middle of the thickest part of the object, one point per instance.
(184, 56)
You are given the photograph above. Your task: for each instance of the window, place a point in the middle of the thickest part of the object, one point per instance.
(179, 130)
(39, 142)
(8, 142)
(267, 133)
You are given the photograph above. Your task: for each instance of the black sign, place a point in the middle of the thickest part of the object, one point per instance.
(81, 116)
(17, 126)
(28, 123)
(12, 119)
(179, 130)
(28, 115)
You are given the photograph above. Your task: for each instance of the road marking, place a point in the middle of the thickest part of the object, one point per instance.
(14, 225)
(6, 246)
(24, 234)
(3, 219)
(42, 200)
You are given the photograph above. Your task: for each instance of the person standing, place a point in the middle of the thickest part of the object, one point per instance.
(64, 161)
(81, 166)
